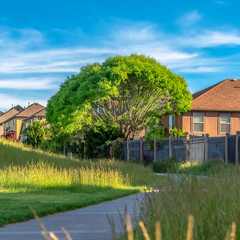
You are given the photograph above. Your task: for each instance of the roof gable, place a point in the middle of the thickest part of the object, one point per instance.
(29, 111)
(223, 96)
(9, 114)
(41, 113)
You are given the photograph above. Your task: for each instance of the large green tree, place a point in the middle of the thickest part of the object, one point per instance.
(124, 91)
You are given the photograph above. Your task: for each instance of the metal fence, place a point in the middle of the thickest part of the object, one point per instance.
(189, 148)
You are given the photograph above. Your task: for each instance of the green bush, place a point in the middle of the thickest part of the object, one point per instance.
(176, 132)
(35, 133)
(97, 141)
(167, 165)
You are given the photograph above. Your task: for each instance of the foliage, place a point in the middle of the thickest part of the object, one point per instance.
(176, 132)
(97, 141)
(53, 183)
(117, 148)
(35, 133)
(167, 165)
(208, 167)
(157, 131)
(124, 92)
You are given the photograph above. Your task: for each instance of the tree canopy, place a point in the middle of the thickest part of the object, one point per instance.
(127, 92)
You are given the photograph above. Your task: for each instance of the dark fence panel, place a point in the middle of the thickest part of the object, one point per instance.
(163, 149)
(124, 151)
(135, 150)
(179, 148)
(197, 149)
(232, 148)
(147, 151)
(216, 148)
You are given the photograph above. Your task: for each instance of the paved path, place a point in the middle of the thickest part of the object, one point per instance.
(89, 223)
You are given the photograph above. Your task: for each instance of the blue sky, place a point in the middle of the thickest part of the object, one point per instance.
(42, 42)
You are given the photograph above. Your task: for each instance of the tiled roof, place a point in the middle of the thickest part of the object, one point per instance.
(223, 96)
(41, 113)
(10, 113)
(29, 111)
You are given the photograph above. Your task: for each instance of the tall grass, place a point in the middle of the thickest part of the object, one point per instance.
(42, 175)
(213, 201)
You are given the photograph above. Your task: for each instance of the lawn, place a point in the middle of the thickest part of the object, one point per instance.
(54, 183)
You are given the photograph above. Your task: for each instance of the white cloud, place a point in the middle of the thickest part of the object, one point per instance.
(189, 18)
(136, 33)
(201, 69)
(12, 38)
(29, 84)
(210, 38)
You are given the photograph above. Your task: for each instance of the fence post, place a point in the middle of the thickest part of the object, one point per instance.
(187, 147)
(206, 146)
(155, 149)
(237, 150)
(128, 150)
(170, 146)
(226, 147)
(141, 149)
(84, 150)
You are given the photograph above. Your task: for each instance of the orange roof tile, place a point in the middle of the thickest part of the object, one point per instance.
(223, 96)
(29, 111)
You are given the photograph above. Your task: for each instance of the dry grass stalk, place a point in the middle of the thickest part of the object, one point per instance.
(129, 227)
(44, 230)
(190, 227)
(233, 233)
(144, 230)
(66, 233)
(53, 236)
(158, 231)
(227, 237)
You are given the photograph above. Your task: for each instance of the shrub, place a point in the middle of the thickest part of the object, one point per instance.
(35, 133)
(97, 141)
(167, 165)
(176, 132)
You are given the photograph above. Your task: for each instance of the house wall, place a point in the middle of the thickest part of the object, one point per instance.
(11, 123)
(19, 126)
(4, 117)
(211, 123)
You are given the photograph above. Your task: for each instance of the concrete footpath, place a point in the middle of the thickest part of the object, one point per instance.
(89, 223)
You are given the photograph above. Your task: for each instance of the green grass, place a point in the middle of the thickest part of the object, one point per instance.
(206, 168)
(213, 201)
(52, 183)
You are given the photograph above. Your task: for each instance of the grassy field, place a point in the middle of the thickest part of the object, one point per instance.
(51, 183)
(213, 201)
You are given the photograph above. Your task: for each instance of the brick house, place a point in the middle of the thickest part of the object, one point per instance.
(40, 116)
(215, 111)
(15, 122)
(7, 115)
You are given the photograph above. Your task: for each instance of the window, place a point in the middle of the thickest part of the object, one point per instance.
(198, 122)
(225, 122)
(172, 121)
